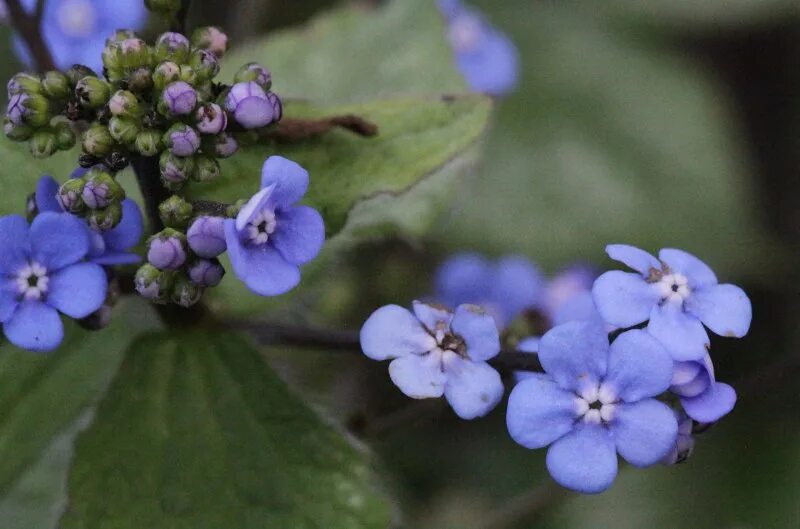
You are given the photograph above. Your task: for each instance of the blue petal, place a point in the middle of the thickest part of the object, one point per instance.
(492, 68)
(35, 327)
(13, 244)
(419, 377)
(116, 259)
(253, 207)
(690, 379)
(392, 332)
(579, 307)
(725, 309)
(58, 240)
(46, 191)
(635, 258)
(682, 334)
(261, 269)
(78, 290)
(696, 271)
(128, 232)
(638, 366)
(300, 234)
(575, 354)
(644, 431)
(478, 330)
(624, 299)
(432, 316)
(8, 298)
(473, 389)
(584, 460)
(516, 285)
(464, 278)
(529, 344)
(713, 404)
(539, 411)
(289, 179)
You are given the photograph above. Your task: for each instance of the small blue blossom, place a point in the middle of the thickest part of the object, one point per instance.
(568, 296)
(504, 289)
(206, 236)
(272, 235)
(594, 401)
(486, 57)
(702, 397)
(43, 274)
(436, 352)
(75, 30)
(108, 248)
(677, 293)
(250, 105)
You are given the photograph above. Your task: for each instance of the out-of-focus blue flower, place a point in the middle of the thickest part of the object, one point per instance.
(677, 293)
(684, 443)
(75, 31)
(486, 57)
(595, 401)
(272, 235)
(111, 247)
(43, 275)
(568, 296)
(504, 288)
(435, 352)
(702, 397)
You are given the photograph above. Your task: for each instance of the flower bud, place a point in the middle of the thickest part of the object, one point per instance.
(17, 132)
(179, 98)
(77, 72)
(148, 142)
(92, 92)
(141, 80)
(24, 83)
(185, 292)
(165, 73)
(101, 189)
(206, 169)
(105, 219)
(188, 75)
(120, 35)
(249, 105)
(277, 106)
(256, 73)
(55, 85)
(65, 136)
(153, 284)
(134, 53)
(70, 195)
(167, 250)
(210, 118)
(31, 109)
(123, 129)
(206, 236)
(124, 103)
(205, 64)
(168, 8)
(175, 212)
(15, 111)
(97, 140)
(210, 38)
(225, 145)
(42, 144)
(172, 46)
(206, 272)
(174, 169)
(182, 139)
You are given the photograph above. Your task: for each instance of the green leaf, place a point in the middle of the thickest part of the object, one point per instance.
(198, 432)
(20, 172)
(353, 53)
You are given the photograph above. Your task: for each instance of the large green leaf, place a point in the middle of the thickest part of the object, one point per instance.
(197, 432)
(20, 171)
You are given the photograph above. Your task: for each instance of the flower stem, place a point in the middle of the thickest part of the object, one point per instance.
(179, 24)
(524, 508)
(29, 26)
(148, 175)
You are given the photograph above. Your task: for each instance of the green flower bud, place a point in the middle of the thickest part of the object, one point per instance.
(101, 190)
(205, 64)
(172, 46)
(78, 72)
(105, 219)
(120, 35)
(188, 74)
(36, 111)
(70, 195)
(92, 92)
(55, 85)
(123, 129)
(97, 140)
(26, 83)
(134, 53)
(206, 169)
(148, 142)
(153, 284)
(65, 136)
(175, 212)
(165, 73)
(184, 292)
(124, 103)
(168, 8)
(42, 144)
(141, 80)
(252, 71)
(18, 132)
(211, 39)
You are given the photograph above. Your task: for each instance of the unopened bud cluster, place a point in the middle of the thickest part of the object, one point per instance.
(96, 196)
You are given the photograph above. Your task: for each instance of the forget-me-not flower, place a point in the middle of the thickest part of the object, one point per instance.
(594, 401)
(43, 273)
(436, 352)
(568, 296)
(677, 293)
(272, 235)
(702, 397)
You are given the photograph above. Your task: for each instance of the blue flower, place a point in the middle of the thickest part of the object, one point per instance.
(435, 352)
(594, 401)
(702, 397)
(43, 274)
(677, 293)
(568, 296)
(504, 289)
(75, 30)
(486, 57)
(108, 248)
(272, 236)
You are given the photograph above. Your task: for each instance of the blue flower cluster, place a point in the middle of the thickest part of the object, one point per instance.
(606, 379)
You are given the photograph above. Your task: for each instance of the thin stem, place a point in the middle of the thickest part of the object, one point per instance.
(179, 24)
(29, 27)
(525, 508)
(148, 176)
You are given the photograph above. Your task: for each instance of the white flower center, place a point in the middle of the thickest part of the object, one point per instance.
(77, 18)
(32, 282)
(673, 288)
(596, 404)
(261, 227)
(465, 33)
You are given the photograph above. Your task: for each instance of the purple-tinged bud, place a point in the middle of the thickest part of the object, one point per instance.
(97, 140)
(70, 195)
(174, 169)
(182, 139)
(180, 98)
(205, 64)
(206, 272)
(167, 250)
(206, 168)
(134, 53)
(212, 39)
(105, 219)
(185, 292)
(165, 73)
(172, 46)
(101, 190)
(153, 284)
(15, 110)
(256, 73)
(225, 145)
(206, 236)
(24, 83)
(249, 105)
(277, 106)
(211, 119)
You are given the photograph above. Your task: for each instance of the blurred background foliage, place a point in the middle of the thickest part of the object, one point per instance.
(657, 123)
